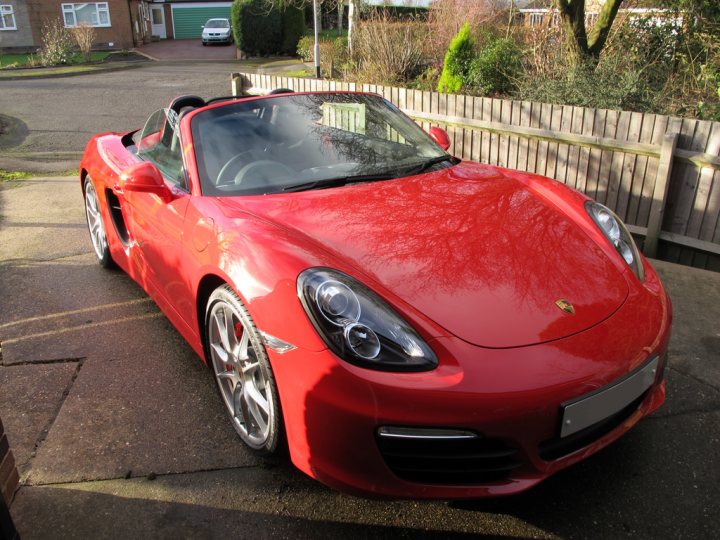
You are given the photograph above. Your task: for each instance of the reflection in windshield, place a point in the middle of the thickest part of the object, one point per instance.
(266, 145)
(217, 24)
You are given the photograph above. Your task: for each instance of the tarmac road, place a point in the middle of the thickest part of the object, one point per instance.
(118, 430)
(54, 118)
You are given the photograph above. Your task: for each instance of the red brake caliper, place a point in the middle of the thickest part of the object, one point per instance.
(238, 334)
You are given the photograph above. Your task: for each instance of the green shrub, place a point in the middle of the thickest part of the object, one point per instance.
(305, 48)
(293, 29)
(497, 63)
(257, 31)
(457, 61)
(615, 83)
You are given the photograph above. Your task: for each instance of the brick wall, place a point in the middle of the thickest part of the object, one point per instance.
(120, 32)
(8, 472)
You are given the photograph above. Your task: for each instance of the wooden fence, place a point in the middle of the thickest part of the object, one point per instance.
(660, 174)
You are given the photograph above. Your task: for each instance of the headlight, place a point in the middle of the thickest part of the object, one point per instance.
(618, 235)
(359, 326)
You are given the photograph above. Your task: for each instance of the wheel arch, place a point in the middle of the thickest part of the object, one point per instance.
(205, 288)
(83, 176)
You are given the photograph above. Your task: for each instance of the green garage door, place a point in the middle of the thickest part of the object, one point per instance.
(189, 20)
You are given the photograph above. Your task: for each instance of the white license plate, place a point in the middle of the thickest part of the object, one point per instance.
(596, 406)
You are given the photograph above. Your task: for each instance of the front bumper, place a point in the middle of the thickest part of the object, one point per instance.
(217, 39)
(510, 397)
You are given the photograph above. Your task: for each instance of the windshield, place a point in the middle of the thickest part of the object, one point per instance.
(294, 142)
(217, 23)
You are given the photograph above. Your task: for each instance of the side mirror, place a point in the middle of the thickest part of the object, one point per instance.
(440, 136)
(144, 177)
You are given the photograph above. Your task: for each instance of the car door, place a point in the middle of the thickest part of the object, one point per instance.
(156, 225)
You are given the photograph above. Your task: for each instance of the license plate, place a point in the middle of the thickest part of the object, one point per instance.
(591, 408)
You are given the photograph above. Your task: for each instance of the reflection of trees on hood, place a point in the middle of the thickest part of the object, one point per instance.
(468, 230)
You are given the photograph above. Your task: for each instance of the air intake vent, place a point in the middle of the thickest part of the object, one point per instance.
(461, 459)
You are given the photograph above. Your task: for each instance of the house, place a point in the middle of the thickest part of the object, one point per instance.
(543, 13)
(119, 24)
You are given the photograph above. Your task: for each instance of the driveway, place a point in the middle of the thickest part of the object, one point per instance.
(188, 49)
(119, 432)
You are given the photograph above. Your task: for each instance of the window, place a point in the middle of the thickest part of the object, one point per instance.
(7, 18)
(90, 13)
(159, 143)
(536, 19)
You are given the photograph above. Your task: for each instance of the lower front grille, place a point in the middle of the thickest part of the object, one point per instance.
(452, 461)
(557, 448)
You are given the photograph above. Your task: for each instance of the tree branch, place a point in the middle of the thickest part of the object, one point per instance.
(601, 29)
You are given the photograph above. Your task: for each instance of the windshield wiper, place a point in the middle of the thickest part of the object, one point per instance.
(340, 181)
(425, 165)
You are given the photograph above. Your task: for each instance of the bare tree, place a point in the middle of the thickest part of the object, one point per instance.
(84, 36)
(580, 44)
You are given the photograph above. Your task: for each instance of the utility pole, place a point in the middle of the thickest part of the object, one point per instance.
(317, 42)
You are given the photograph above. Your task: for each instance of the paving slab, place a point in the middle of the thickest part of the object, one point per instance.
(30, 398)
(633, 489)
(50, 306)
(40, 219)
(142, 403)
(257, 503)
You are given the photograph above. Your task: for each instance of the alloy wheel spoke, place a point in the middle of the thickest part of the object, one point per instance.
(243, 346)
(220, 322)
(249, 368)
(255, 396)
(258, 419)
(238, 401)
(220, 352)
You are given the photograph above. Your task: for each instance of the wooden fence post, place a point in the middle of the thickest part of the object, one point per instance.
(240, 84)
(662, 183)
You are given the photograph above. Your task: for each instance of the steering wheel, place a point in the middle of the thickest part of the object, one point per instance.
(229, 171)
(261, 173)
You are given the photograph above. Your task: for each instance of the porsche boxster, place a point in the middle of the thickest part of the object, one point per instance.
(403, 323)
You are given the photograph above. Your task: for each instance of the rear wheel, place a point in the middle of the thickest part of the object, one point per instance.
(242, 371)
(95, 225)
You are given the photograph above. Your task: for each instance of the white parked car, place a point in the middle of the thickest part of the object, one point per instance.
(217, 31)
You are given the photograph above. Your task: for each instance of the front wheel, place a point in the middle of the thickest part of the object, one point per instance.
(95, 225)
(242, 371)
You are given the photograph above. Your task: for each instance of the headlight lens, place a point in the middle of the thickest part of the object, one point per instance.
(618, 235)
(359, 326)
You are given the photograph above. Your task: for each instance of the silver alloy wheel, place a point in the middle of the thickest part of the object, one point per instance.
(94, 220)
(241, 376)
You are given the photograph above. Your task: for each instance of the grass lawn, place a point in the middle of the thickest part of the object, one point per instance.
(22, 60)
(13, 175)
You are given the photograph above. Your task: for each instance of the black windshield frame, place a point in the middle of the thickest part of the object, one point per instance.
(310, 142)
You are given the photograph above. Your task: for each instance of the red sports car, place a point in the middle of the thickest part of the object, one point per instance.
(405, 323)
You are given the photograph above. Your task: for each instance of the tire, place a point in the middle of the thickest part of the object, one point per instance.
(96, 227)
(239, 362)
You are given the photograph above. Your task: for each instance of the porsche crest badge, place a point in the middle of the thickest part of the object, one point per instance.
(566, 306)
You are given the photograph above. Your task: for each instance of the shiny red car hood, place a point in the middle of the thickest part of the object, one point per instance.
(479, 253)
